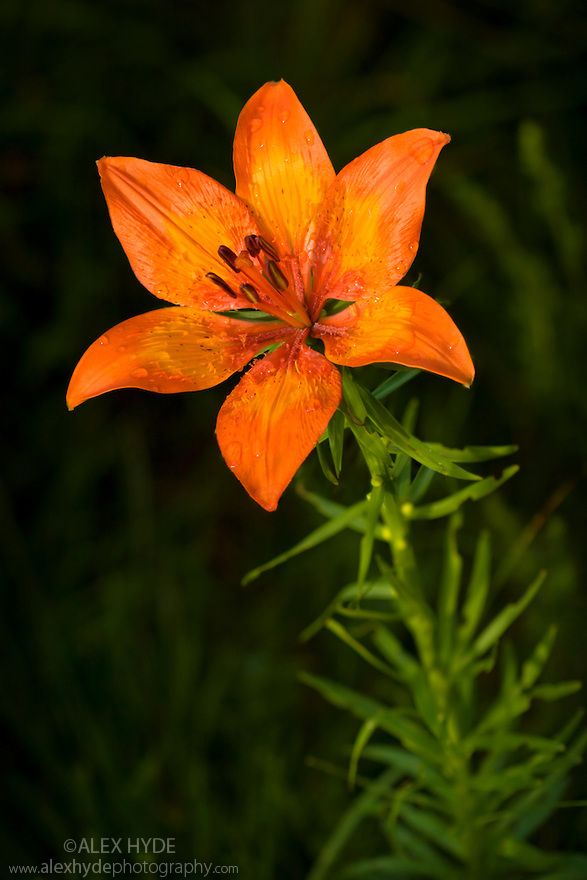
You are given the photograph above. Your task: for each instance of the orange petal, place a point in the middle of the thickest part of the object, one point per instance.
(281, 166)
(171, 222)
(172, 349)
(274, 417)
(404, 326)
(367, 232)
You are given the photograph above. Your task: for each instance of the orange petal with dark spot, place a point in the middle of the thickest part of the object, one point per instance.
(274, 418)
(169, 350)
(402, 326)
(281, 166)
(171, 222)
(367, 232)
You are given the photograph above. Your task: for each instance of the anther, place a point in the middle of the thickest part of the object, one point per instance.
(219, 282)
(250, 292)
(268, 248)
(252, 244)
(276, 276)
(228, 255)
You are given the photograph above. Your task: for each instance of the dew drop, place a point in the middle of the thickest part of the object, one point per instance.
(139, 373)
(309, 137)
(423, 150)
(284, 116)
(255, 124)
(104, 340)
(413, 246)
(233, 454)
(179, 183)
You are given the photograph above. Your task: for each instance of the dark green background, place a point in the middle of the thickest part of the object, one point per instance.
(145, 691)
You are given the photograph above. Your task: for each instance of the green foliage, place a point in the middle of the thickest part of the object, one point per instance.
(449, 775)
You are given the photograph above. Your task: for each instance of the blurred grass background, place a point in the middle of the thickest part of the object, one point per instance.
(147, 693)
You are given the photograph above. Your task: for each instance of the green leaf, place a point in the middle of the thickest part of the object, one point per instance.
(532, 668)
(331, 509)
(380, 590)
(374, 502)
(324, 464)
(474, 453)
(356, 411)
(365, 733)
(434, 829)
(343, 634)
(395, 721)
(410, 765)
(394, 653)
(314, 539)
(392, 383)
(551, 692)
(336, 440)
(406, 442)
(420, 484)
(362, 807)
(448, 505)
(505, 618)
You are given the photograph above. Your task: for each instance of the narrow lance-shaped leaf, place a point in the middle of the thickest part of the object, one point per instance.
(365, 733)
(375, 500)
(318, 536)
(505, 618)
(336, 440)
(412, 736)
(364, 653)
(325, 465)
(331, 509)
(380, 591)
(392, 383)
(474, 453)
(406, 442)
(448, 505)
(363, 806)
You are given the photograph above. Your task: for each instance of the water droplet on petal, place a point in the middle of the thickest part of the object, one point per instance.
(284, 116)
(413, 246)
(309, 137)
(255, 124)
(104, 340)
(233, 454)
(139, 373)
(423, 150)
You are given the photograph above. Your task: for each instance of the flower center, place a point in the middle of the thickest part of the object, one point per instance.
(267, 281)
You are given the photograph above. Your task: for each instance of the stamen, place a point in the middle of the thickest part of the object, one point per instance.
(220, 282)
(250, 292)
(228, 255)
(276, 277)
(268, 248)
(252, 244)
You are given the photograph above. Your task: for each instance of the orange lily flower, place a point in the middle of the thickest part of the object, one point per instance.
(293, 237)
